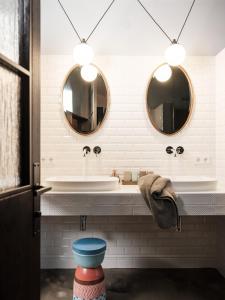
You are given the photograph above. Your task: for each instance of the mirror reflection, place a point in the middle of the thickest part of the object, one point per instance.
(85, 103)
(169, 99)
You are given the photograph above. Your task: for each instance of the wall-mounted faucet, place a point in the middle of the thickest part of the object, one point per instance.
(171, 150)
(86, 150)
(97, 150)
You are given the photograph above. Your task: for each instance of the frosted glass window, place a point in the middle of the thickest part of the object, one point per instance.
(14, 29)
(10, 85)
(9, 28)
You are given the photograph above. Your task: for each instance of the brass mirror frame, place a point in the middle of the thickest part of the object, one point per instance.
(191, 106)
(107, 107)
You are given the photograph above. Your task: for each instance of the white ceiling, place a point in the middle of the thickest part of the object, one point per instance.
(128, 30)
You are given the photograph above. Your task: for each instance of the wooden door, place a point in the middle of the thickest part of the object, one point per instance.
(19, 150)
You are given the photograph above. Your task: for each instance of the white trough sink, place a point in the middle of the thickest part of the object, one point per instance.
(193, 183)
(83, 183)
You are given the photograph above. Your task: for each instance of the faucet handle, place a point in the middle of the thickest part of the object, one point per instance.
(97, 150)
(86, 150)
(169, 149)
(180, 150)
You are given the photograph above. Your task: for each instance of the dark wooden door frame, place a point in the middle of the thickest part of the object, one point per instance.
(35, 135)
(36, 78)
(24, 201)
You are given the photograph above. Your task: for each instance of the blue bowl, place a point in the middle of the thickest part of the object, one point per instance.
(89, 252)
(89, 261)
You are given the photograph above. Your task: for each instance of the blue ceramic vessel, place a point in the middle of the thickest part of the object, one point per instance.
(89, 252)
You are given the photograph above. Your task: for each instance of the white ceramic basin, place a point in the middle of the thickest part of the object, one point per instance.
(83, 183)
(193, 183)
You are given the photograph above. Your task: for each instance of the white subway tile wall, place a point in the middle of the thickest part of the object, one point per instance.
(132, 242)
(127, 139)
(220, 117)
(220, 149)
(129, 142)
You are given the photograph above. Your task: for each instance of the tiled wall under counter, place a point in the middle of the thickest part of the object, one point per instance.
(133, 242)
(133, 238)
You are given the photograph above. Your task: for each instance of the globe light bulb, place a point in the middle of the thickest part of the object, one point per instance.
(83, 54)
(89, 73)
(175, 54)
(163, 73)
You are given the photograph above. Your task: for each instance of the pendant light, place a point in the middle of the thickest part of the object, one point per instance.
(83, 53)
(175, 54)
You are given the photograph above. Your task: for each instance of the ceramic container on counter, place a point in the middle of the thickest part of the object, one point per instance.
(90, 291)
(84, 275)
(89, 252)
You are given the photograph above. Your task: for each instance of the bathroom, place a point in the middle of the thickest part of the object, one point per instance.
(93, 170)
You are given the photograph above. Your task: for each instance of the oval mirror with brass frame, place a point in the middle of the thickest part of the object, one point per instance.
(170, 103)
(85, 104)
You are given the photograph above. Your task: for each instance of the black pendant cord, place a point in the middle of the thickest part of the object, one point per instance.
(71, 23)
(185, 21)
(154, 20)
(100, 20)
(81, 40)
(160, 27)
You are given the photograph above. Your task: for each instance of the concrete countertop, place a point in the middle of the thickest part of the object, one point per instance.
(127, 200)
(132, 190)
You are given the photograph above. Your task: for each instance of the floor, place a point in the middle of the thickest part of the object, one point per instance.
(142, 284)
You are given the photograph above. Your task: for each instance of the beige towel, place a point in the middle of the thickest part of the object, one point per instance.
(161, 199)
